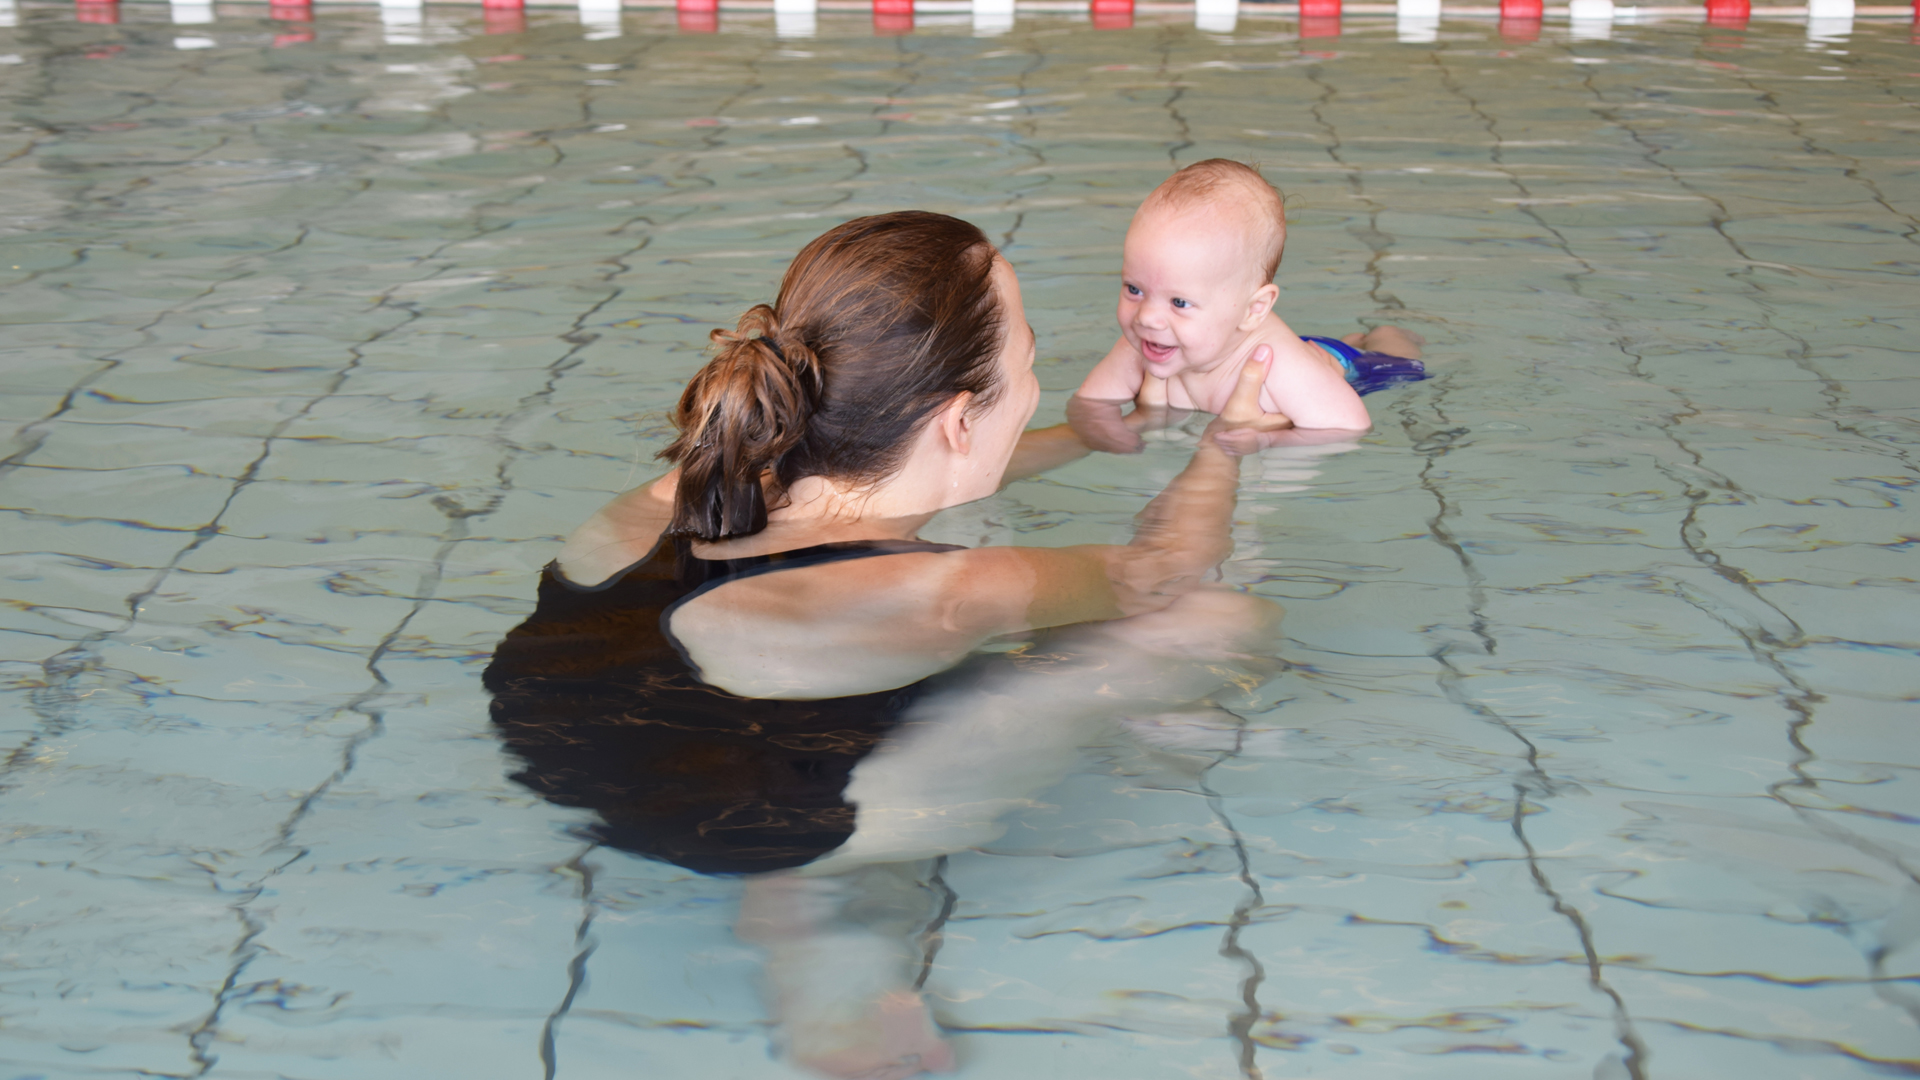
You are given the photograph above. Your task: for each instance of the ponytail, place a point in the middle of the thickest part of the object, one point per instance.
(739, 417)
(879, 323)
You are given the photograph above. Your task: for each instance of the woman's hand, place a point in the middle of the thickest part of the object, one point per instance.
(1243, 427)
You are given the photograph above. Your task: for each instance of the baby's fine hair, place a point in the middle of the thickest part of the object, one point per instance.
(1222, 180)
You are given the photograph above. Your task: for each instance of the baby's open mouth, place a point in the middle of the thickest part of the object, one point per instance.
(1155, 353)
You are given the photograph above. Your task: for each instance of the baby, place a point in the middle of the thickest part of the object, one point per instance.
(1196, 304)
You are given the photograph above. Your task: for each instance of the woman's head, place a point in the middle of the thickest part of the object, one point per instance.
(879, 324)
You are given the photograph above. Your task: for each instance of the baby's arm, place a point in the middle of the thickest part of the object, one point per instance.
(1094, 410)
(1117, 377)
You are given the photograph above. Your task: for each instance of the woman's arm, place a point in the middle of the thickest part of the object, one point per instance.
(1042, 449)
(1091, 425)
(1181, 535)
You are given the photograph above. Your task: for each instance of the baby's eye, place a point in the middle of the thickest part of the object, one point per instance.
(1133, 290)
(1179, 303)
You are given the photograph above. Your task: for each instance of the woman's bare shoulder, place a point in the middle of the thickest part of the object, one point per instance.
(925, 602)
(853, 626)
(619, 534)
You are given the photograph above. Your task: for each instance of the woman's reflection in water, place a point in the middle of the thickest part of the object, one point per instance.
(753, 666)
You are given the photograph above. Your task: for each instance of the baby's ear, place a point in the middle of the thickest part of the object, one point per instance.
(1261, 302)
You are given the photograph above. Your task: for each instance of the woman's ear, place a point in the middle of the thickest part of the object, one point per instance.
(1257, 308)
(955, 424)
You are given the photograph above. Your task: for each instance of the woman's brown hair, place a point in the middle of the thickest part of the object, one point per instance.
(879, 322)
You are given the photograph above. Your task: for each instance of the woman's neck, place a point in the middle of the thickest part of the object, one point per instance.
(819, 512)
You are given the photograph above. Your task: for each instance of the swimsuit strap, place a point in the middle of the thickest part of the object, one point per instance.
(706, 573)
(710, 574)
(1341, 351)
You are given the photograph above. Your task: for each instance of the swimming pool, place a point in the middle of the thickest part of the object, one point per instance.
(1595, 755)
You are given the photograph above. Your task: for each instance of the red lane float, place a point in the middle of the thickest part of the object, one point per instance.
(1319, 18)
(1733, 13)
(1111, 14)
(504, 20)
(96, 11)
(1519, 30)
(1520, 19)
(293, 11)
(892, 18)
(697, 16)
(504, 16)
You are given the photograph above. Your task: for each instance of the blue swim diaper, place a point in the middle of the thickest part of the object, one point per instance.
(1370, 371)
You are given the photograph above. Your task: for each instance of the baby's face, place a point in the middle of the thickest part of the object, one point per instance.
(1185, 288)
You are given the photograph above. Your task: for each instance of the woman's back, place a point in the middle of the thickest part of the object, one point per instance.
(610, 709)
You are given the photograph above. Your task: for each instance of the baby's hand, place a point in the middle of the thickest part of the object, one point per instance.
(1242, 423)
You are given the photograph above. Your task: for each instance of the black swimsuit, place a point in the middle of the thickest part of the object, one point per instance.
(606, 711)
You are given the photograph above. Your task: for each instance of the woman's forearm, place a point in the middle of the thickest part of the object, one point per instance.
(1187, 530)
(1191, 521)
(1042, 449)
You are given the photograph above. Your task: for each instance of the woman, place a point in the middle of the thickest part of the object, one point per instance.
(753, 665)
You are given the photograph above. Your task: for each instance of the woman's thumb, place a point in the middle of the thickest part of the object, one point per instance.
(1243, 406)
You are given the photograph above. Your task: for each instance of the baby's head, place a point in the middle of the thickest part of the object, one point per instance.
(1197, 273)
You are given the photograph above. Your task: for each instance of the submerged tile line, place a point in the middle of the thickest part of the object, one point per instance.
(204, 1036)
(459, 516)
(712, 138)
(1800, 700)
(589, 95)
(32, 437)
(584, 945)
(1496, 153)
(1182, 130)
(1637, 1055)
(934, 935)
(1240, 1024)
(1796, 696)
(910, 62)
(201, 1039)
(1025, 142)
(1852, 170)
(1800, 350)
(1433, 440)
(1378, 242)
(1796, 1044)
(55, 702)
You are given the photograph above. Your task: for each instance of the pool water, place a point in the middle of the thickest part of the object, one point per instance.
(1596, 754)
